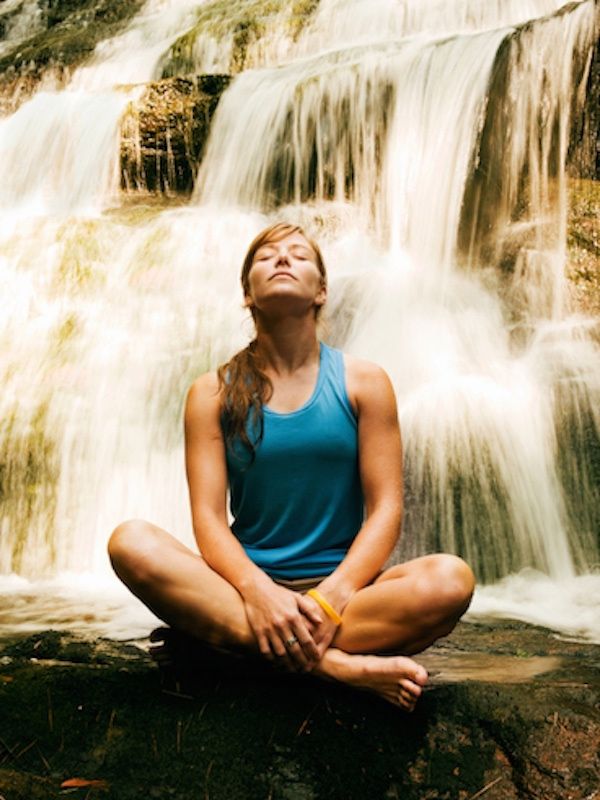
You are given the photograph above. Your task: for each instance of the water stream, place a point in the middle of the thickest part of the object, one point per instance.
(423, 145)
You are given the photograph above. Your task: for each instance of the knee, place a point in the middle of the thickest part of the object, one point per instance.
(453, 583)
(131, 549)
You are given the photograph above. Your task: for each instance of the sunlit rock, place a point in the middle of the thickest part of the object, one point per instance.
(163, 134)
(233, 36)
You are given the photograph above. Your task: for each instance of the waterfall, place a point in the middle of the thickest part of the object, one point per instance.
(424, 144)
(59, 151)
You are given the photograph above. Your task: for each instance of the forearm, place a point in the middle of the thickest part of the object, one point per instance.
(223, 552)
(365, 558)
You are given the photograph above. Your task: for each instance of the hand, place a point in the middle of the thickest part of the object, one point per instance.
(324, 632)
(283, 622)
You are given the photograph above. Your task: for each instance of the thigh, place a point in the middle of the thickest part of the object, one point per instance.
(167, 576)
(408, 604)
(422, 565)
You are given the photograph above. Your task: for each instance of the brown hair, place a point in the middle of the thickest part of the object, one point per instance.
(243, 385)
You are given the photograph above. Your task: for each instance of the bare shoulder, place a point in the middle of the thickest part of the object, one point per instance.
(368, 385)
(203, 398)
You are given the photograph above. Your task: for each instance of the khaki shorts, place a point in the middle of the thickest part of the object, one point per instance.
(300, 584)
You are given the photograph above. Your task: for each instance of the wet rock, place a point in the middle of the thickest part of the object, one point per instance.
(583, 160)
(235, 34)
(71, 31)
(163, 134)
(512, 711)
(583, 241)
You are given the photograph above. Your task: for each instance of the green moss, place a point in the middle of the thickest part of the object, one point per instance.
(583, 243)
(245, 21)
(300, 12)
(79, 268)
(28, 475)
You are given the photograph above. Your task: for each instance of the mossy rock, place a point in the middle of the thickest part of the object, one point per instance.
(99, 711)
(73, 29)
(28, 477)
(583, 243)
(583, 160)
(163, 134)
(243, 22)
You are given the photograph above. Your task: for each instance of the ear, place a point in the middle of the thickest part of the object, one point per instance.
(321, 297)
(248, 302)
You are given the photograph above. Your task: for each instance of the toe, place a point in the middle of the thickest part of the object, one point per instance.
(413, 689)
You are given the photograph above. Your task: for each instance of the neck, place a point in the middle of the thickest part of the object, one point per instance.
(288, 343)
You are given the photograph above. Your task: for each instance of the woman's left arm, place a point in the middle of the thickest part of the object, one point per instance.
(380, 463)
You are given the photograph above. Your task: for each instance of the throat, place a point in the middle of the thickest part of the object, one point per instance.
(293, 390)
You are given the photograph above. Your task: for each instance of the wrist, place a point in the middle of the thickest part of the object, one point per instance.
(336, 592)
(252, 582)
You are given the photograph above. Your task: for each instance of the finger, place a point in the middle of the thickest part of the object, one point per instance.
(294, 648)
(265, 647)
(281, 654)
(310, 609)
(306, 641)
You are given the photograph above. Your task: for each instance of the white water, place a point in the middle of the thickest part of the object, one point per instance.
(115, 313)
(59, 151)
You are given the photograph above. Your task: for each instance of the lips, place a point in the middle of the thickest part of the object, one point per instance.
(282, 275)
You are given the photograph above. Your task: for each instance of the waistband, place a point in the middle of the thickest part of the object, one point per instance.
(300, 584)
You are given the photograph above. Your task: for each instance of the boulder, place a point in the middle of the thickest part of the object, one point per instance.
(163, 134)
(71, 29)
(511, 712)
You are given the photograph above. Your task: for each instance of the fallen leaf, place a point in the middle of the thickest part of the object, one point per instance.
(77, 783)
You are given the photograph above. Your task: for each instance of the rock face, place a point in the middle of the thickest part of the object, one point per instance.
(584, 149)
(583, 241)
(237, 29)
(69, 32)
(163, 133)
(512, 712)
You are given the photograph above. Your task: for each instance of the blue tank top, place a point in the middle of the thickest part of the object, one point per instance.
(299, 505)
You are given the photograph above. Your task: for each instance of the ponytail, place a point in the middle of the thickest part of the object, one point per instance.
(244, 390)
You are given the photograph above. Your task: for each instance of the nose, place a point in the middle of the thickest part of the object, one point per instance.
(282, 258)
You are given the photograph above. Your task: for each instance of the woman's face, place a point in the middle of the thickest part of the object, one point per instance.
(285, 277)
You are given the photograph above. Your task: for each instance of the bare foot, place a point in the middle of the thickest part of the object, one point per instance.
(397, 679)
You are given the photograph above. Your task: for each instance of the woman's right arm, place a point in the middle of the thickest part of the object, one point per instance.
(275, 614)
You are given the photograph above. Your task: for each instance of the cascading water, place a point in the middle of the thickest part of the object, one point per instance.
(71, 137)
(424, 144)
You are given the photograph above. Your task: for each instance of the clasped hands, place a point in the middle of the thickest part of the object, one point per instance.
(291, 629)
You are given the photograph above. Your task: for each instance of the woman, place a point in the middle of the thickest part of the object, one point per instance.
(308, 442)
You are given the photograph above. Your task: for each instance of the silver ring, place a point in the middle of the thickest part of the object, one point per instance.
(291, 641)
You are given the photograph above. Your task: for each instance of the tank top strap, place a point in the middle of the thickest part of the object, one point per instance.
(334, 377)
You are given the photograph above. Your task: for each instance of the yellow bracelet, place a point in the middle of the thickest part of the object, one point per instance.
(328, 609)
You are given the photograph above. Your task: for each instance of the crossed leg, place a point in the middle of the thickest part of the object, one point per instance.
(405, 610)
